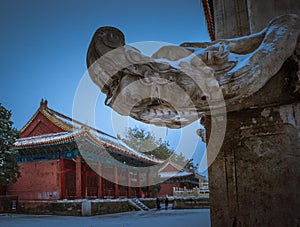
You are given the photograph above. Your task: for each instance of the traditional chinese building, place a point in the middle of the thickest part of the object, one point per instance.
(61, 158)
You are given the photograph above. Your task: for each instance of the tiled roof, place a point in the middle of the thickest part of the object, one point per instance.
(53, 138)
(64, 137)
(74, 130)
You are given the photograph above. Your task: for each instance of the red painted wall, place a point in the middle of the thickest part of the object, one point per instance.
(39, 180)
(167, 188)
(39, 126)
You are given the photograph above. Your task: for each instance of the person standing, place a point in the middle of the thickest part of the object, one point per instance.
(157, 203)
(166, 203)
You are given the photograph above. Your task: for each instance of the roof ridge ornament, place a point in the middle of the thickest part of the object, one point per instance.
(85, 128)
(44, 104)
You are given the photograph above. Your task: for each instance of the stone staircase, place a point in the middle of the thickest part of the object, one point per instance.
(137, 203)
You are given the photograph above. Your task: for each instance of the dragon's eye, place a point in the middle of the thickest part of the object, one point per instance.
(146, 81)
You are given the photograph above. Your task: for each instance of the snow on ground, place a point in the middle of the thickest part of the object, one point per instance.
(152, 218)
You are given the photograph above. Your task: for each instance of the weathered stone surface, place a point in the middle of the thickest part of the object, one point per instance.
(260, 12)
(239, 18)
(227, 25)
(72, 208)
(254, 181)
(86, 208)
(111, 207)
(49, 207)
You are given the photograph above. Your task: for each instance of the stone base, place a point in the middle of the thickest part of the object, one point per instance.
(75, 208)
(255, 179)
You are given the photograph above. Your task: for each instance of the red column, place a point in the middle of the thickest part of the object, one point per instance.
(148, 184)
(139, 184)
(100, 180)
(78, 178)
(62, 179)
(84, 174)
(116, 182)
(128, 183)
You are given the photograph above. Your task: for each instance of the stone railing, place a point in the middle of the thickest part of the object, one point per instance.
(200, 202)
(190, 192)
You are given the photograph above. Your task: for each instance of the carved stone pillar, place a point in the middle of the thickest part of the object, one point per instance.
(254, 181)
(235, 18)
(261, 12)
(231, 18)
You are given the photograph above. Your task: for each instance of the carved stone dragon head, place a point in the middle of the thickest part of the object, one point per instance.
(175, 85)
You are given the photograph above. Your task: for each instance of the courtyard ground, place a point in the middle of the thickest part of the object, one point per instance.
(153, 218)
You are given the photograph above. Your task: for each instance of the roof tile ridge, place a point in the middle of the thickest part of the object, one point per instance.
(61, 124)
(125, 151)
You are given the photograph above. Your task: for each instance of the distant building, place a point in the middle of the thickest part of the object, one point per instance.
(177, 177)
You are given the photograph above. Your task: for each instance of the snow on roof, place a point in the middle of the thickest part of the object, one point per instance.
(173, 174)
(45, 139)
(111, 140)
(63, 137)
(75, 129)
(64, 119)
(118, 144)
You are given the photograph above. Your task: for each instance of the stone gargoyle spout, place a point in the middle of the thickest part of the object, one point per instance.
(175, 85)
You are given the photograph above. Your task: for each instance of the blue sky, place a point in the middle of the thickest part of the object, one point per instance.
(44, 43)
